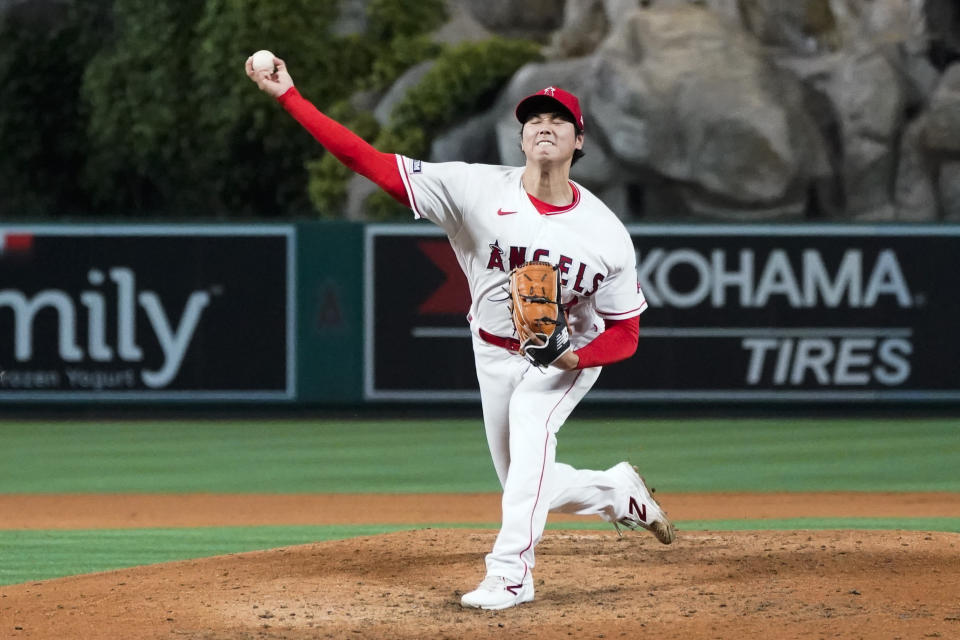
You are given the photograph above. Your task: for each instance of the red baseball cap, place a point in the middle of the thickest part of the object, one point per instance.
(547, 100)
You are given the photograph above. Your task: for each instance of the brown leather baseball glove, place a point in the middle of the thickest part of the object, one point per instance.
(537, 312)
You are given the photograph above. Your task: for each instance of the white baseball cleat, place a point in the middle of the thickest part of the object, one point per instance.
(496, 592)
(642, 510)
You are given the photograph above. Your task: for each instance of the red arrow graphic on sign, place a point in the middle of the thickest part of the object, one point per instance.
(453, 295)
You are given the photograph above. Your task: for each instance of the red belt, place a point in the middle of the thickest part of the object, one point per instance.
(510, 344)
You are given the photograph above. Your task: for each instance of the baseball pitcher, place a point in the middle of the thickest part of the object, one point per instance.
(552, 276)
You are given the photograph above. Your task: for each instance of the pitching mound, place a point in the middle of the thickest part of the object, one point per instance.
(801, 584)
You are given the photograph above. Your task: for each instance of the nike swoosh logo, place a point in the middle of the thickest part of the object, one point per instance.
(501, 212)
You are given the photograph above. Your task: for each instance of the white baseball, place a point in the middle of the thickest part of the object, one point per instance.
(263, 61)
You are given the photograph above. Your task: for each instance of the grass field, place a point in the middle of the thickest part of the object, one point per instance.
(434, 455)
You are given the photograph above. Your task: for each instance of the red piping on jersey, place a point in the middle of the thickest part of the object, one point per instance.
(543, 470)
(353, 151)
(547, 209)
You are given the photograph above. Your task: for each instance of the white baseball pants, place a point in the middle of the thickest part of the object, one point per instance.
(523, 408)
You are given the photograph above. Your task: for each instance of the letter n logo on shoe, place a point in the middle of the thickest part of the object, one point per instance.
(513, 588)
(636, 509)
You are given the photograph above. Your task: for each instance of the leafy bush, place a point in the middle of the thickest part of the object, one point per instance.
(328, 177)
(176, 124)
(142, 108)
(42, 123)
(464, 80)
(140, 113)
(396, 32)
(392, 19)
(398, 56)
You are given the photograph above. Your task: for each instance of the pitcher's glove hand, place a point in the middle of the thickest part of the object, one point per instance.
(537, 312)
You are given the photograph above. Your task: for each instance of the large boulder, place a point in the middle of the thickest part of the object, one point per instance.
(943, 117)
(882, 22)
(530, 18)
(943, 26)
(358, 190)
(584, 26)
(460, 27)
(687, 95)
(471, 141)
(398, 90)
(870, 99)
(866, 62)
(800, 27)
(949, 186)
(859, 97)
(915, 193)
(941, 139)
(742, 109)
(587, 22)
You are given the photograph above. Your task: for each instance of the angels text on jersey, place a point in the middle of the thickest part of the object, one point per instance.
(575, 275)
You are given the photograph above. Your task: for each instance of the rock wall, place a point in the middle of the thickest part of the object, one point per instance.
(744, 109)
(721, 109)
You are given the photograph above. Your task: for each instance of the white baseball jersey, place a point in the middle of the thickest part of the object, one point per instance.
(493, 227)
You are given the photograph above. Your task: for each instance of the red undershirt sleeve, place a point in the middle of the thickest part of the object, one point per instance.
(617, 342)
(349, 148)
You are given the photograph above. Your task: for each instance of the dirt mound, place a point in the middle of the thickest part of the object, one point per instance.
(756, 584)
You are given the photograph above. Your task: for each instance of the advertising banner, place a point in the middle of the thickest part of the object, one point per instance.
(736, 313)
(185, 313)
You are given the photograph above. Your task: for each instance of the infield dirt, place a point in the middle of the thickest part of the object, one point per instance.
(590, 584)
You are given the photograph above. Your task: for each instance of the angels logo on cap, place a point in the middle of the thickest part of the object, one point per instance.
(548, 99)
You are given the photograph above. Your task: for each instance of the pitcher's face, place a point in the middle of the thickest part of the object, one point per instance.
(550, 138)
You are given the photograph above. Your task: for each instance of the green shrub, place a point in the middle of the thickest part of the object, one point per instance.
(398, 56)
(327, 187)
(140, 108)
(176, 124)
(137, 93)
(465, 80)
(398, 29)
(392, 19)
(42, 122)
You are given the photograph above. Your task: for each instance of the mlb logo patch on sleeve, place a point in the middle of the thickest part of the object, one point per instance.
(417, 166)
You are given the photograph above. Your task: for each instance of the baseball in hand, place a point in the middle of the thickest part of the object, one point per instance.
(263, 61)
